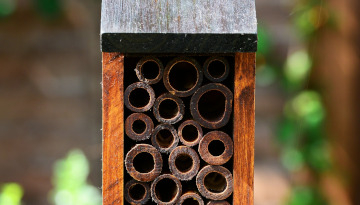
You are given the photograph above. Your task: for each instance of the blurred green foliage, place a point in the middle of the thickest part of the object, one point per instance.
(70, 182)
(7, 7)
(11, 194)
(49, 9)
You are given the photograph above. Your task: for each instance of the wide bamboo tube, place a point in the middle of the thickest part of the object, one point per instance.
(215, 182)
(139, 126)
(149, 70)
(216, 69)
(182, 76)
(139, 97)
(137, 192)
(166, 189)
(143, 162)
(184, 163)
(211, 105)
(190, 133)
(216, 148)
(164, 138)
(190, 198)
(168, 109)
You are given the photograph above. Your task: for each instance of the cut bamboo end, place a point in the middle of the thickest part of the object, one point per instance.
(184, 163)
(218, 203)
(215, 182)
(211, 105)
(169, 109)
(143, 162)
(137, 192)
(216, 69)
(166, 189)
(139, 126)
(139, 97)
(182, 76)
(190, 198)
(149, 70)
(216, 148)
(164, 138)
(190, 133)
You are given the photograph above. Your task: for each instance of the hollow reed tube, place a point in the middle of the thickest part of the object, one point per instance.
(149, 70)
(164, 138)
(218, 203)
(166, 189)
(190, 198)
(184, 163)
(168, 108)
(139, 97)
(216, 69)
(137, 192)
(138, 126)
(190, 133)
(216, 148)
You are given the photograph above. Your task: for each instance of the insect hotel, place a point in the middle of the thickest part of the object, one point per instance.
(178, 101)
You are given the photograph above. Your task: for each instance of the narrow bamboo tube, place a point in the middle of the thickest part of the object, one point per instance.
(218, 203)
(169, 109)
(182, 76)
(166, 189)
(216, 148)
(164, 138)
(143, 162)
(215, 182)
(190, 198)
(190, 133)
(211, 105)
(149, 70)
(139, 97)
(137, 192)
(139, 126)
(184, 163)
(216, 69)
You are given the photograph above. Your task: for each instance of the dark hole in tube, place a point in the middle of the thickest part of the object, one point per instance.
(215, 182)
(183, 76)
(144, 162)
(166, 190)
(139, 98)
(216, 69)
(216, 147)
(212, 105)
(164, 138)
(168, 109)
(150, 70)
(139, 126)
(137, 192)
(190, 133)
(183, 162)
(190, 201)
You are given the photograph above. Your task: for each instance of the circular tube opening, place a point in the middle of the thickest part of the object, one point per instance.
(216, 69)
(168, 109)
(166, 190)
(216, 148)
(164, 138)
(183, 76)
(143, 162)
(212, 105)
(190, 133)
(139, 126)
(215, 182)
(137, 192)
(191, 201)
(183, 163)
(150, 70)
(139, 98)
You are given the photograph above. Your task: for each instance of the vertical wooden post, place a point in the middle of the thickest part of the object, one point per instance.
(244, 128)
(113, 128)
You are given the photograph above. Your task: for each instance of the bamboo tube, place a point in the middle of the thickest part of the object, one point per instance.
(149, 70)
(184, 163)
(216, 148)
(216, 69)
(139, 126)
(218, 203)
(166, 189)
(215, 182)
(190, 133)
(169, 109)
(164, 138)
(143, 162)
(137, 192)
(182, 76)
(211, 105)
(190, 198)
(139, 97)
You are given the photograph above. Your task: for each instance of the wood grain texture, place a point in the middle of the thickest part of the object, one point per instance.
(244, 128)
(113, 128)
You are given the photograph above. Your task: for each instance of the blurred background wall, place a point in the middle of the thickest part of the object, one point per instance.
(307, 117)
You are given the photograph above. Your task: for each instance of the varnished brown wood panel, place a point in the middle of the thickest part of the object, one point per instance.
(244, 128)
(113, 128)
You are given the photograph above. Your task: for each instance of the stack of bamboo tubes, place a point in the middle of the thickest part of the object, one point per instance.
(178, 126)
